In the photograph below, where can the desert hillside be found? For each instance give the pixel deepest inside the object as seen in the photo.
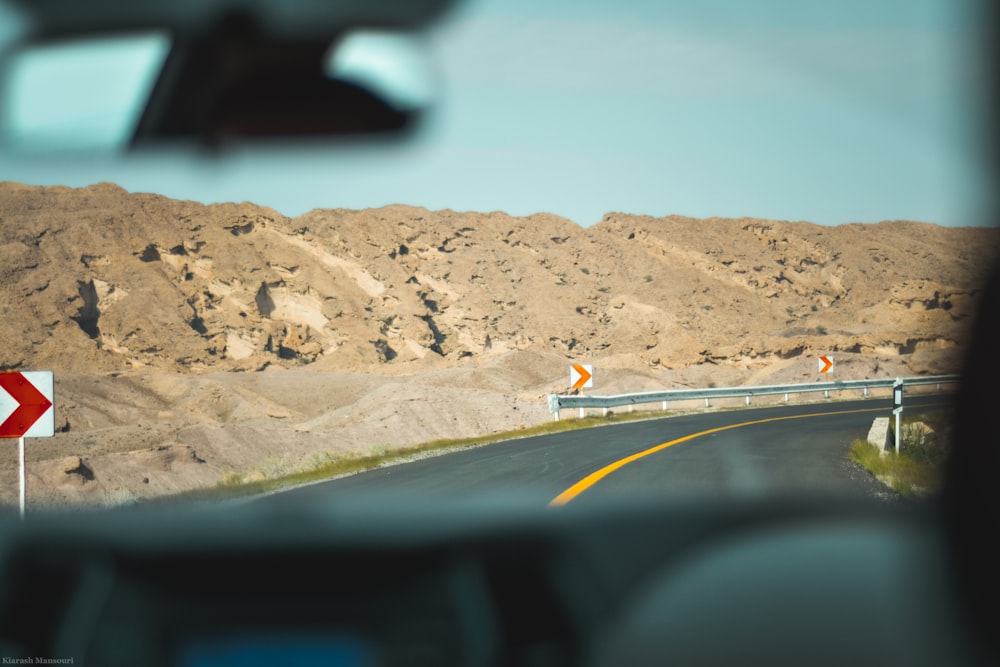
(190, 341)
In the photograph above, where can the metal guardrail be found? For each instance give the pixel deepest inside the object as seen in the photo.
(558, 402)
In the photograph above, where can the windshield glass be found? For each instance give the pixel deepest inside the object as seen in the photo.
(608, 202)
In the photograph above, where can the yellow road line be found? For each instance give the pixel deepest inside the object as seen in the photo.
(594, 477)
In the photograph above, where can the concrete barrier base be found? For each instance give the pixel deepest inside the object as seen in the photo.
(880, 435)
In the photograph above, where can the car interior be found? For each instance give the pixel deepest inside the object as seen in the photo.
(484, 581)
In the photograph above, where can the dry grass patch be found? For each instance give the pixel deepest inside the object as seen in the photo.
(918, 469)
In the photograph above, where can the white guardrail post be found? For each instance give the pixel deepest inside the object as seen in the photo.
(558, 402)
(897, 406)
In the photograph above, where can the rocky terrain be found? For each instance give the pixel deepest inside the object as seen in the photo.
(192, 341)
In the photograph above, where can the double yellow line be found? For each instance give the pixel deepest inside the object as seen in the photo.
(595, 477)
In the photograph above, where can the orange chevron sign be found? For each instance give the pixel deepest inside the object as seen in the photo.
(825, 364)
(581, 375)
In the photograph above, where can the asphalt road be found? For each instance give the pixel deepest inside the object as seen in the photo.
(786, 449)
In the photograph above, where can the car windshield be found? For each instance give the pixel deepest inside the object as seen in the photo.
(631, 248)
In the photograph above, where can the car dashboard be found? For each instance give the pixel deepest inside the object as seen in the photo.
(493, 583)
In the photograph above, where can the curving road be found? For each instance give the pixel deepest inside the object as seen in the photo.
(796, 449)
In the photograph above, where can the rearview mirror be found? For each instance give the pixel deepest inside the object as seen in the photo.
(114, 93)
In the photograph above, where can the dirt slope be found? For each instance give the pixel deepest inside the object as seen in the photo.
(190, 341)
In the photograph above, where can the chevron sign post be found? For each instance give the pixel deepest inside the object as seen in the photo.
(26, 411)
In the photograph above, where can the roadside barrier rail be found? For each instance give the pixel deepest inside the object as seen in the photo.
(559, 402)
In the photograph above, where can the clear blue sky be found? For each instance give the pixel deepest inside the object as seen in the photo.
(820, 110)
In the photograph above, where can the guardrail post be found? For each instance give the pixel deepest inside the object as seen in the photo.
(826, 393)
(554, 405)
(605, 412)
(866, 392)
(583, 413)
(786, 397)
(664, 406)
(748, 399)
(708, 403)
